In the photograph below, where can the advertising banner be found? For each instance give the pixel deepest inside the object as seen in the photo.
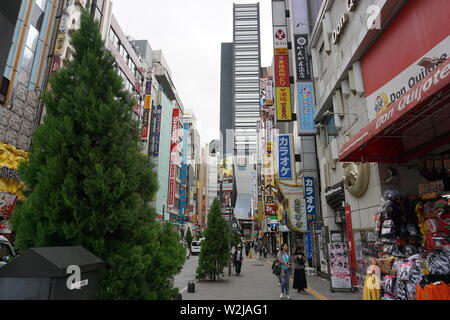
(351, 243)
(144, 133)
(339, 266)
(310, 201)
(56, 63)
(148, 88)
(157, 130)
(284, 109)
(269, 92)
(300, 16)
(296, 213)
(147, 102)
(269, 186)
(173, 156)
(183, 196)
(280, 41)
(302, 60)
(286, 170)
(7, 202)
(282, 71)
(306, 108)
(60, 40)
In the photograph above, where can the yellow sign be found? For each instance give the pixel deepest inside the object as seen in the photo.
(147, 102)
(281, 51)
(60, 43)
(284, 110)
(10, 157)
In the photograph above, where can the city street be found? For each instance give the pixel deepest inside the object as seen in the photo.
(256, 282)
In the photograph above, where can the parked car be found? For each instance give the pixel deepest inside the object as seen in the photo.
(196, 247)
(6, 251)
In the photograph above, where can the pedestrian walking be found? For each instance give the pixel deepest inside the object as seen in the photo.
(265, 252)
(285, 259)
(237, 259)
(247, 249)
(299, 271)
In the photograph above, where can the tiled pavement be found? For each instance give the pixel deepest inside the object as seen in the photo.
(256, 282)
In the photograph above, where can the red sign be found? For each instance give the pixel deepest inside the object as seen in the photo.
(144, 133)
(56, 63)
(173, 156)
(270, 209)
(351, 244)
(7, 202)
(378, 138)
(282, 71)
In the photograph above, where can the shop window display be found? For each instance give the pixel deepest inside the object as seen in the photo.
(412, 248)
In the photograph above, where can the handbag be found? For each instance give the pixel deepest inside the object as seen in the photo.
(276, 268)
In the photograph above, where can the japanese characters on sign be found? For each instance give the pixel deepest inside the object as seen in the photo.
(284, 110)
(306, 108)
(147, 102)
(269, 187)
(173, 156)
(183, 198)
(302, 60)
(157, 131)
(282, 71)
(269, 92)
(310, 198)
(280, 41)
(285, 161)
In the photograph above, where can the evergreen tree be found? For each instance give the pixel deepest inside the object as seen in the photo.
(87, 184)
(189, 237)
(214, 252)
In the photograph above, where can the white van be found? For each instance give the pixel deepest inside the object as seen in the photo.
(196, 247)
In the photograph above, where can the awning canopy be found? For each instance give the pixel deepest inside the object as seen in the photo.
(416, 123)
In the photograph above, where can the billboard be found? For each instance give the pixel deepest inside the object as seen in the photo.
(284, 109)
(302, 60)
(306, 108)
(310, 201)
(183, 193)
(157, 130)
(286, 170)
(296, 211)
(173, 156)
(269, 186)
(282, 71)
(280, 41)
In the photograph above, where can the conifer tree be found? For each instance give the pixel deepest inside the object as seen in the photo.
(189, 237)
(87, 184)
(214, 252)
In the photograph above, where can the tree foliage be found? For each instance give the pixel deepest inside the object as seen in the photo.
(189, 237)
(88, 185)
(214, 252)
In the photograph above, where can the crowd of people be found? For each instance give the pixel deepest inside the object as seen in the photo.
(286, 267)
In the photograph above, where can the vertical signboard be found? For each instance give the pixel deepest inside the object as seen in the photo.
(286, 170)
(310, 201)
(183, 198)
(280, 41)
(302, 60)
(269, 136)
(339, 267)
(282, 71)
(351, 243)
(300, 16)
(269, 186)
(284, 109)
(157, 131)
(269, 92)
(306, 108)
(173, 157)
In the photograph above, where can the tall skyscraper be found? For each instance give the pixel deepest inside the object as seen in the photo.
(246, 75)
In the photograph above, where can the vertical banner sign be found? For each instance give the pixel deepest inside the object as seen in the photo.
(269, 186)
(282, 71)
(184, 172)
(56, 63)
(302, 61)
(173, 157)
(147, 102)
(157, 131)
(285, 157)
(306, 108)
(310, 199)
(269, 92)
(284, 109)
(351, 243)
(144, 133)
(148, 88)
(269, 136)
(280, 41)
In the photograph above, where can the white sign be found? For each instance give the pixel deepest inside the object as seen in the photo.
(280, 41)
(397, 87)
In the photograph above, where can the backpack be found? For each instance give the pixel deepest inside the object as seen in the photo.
(276, 268)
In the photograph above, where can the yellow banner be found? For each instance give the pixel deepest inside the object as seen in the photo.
(281, 51)
(147, 102)
(284, 110)
(60, 39)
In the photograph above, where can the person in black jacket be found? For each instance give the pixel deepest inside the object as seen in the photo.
(238, 256)
(299, 271)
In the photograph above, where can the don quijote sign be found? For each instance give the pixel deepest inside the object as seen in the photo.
(343, 21)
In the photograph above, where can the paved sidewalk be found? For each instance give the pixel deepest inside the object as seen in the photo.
(257, 282)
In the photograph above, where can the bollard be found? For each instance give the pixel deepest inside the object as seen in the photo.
(191, 286)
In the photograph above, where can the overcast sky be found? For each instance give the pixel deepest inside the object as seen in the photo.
(189, 32)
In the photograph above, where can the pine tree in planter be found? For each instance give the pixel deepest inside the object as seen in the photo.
(214, 252)
(87, 184)
(189, 237)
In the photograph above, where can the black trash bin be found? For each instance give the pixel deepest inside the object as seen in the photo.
(47, 274)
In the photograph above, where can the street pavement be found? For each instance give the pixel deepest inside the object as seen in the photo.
(256, 282)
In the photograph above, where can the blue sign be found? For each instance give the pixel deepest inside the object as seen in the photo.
(285, 163)
(183, 194)
(310, 200)
(306, 108)
(157, 130)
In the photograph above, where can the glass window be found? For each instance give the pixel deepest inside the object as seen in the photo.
(97, 15)
(41, 4)
(27, 60)
(32, 38)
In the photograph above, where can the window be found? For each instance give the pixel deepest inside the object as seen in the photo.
(41, 4)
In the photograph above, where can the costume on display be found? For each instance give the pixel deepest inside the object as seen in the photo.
(413, 249)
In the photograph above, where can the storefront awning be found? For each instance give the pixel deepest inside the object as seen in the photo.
(416, 123)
